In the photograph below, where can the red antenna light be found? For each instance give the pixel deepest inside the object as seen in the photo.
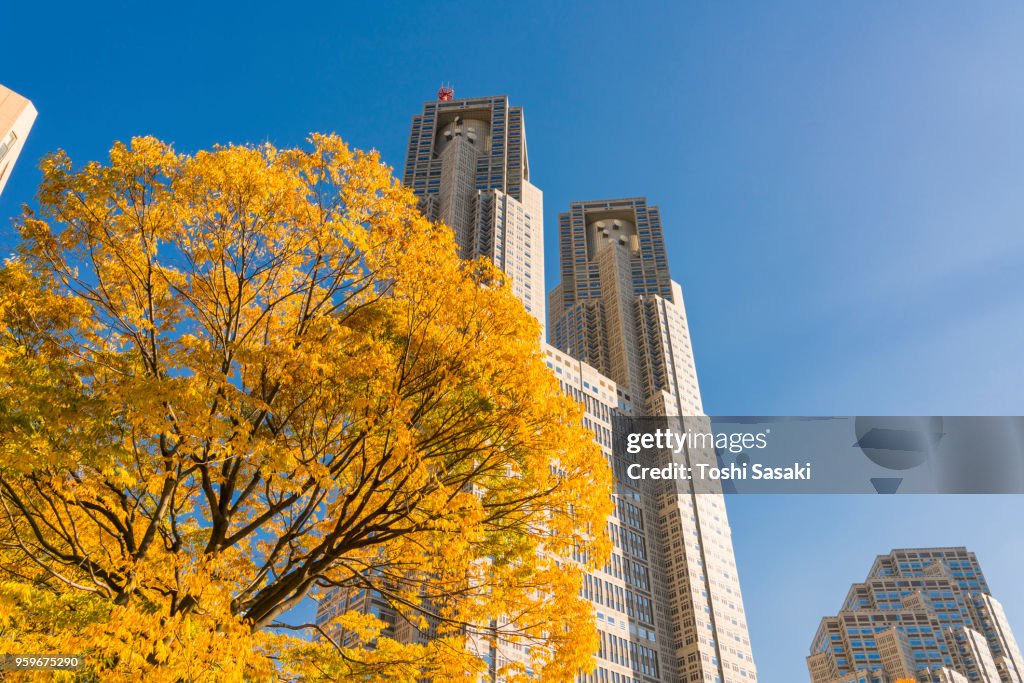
(445, 92)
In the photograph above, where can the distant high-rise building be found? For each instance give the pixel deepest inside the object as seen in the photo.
(16, 118)
(668, 603)
(922, 615)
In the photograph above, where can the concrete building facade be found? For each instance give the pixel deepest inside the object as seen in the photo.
(922, 615)
(16, 118)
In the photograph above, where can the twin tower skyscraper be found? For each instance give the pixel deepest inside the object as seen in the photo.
(668, 604)
(616, 307)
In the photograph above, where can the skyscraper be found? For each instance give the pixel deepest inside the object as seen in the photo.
(618, 310)
(667, 604)
(16, 118)
(467, 162)
(923, 615)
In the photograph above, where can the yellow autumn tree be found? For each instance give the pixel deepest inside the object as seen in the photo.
(235, 380)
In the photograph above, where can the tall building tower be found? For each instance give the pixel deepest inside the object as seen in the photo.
(467, 162)
(16, 118)
(921, 615)
(618, 310)
(667, 604)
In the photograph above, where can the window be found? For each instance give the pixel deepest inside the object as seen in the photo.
(7, 144)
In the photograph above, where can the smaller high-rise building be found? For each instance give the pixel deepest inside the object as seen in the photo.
(923, 615)
(16, 118)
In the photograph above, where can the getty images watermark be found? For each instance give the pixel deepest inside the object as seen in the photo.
(675, 443)
(886, 455)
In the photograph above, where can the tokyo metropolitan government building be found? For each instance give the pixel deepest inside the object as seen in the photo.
(668, 603)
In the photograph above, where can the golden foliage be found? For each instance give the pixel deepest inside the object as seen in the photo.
(234, 380)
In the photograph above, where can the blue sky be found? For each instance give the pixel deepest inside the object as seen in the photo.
(841, 185)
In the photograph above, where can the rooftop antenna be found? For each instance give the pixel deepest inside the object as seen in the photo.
(445, 92)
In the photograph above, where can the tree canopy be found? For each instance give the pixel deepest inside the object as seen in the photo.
(233, 380)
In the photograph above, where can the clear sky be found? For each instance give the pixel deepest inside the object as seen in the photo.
(842, 186)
